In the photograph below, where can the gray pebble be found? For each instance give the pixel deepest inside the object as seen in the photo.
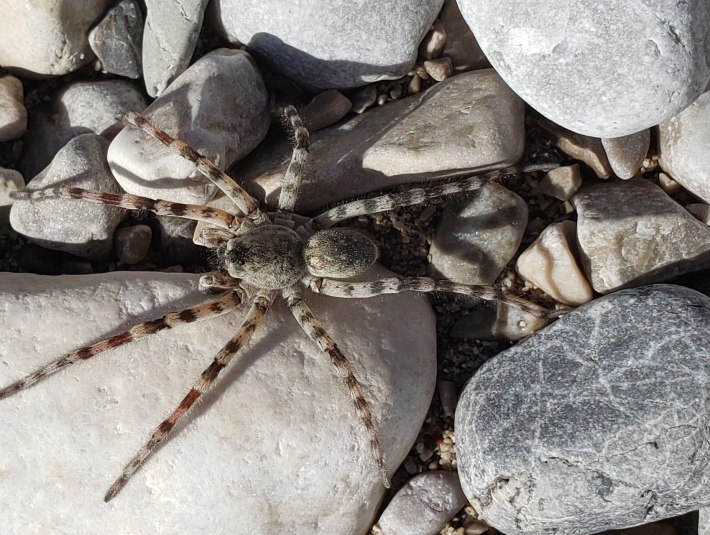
(626, 153)
(116, 40)
(600, 421)
(461, 45)
(13, 115)
(561, 182)
(132, 243)
(10, 181)
(439, 69)
(423, 505)
(78, 227)
(325, 109)
(476, 238)
(630, 233)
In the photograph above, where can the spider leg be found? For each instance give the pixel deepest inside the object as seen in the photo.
(260, 305)
(245, 202)
(213, 216)
(393, 285)
(413, 196)
(294, 173)
(137, 332)
(218, 281)
(313, 328)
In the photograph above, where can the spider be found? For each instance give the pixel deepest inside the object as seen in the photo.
(265, 256)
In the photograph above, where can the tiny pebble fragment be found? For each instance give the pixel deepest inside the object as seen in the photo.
(439, 69)
(667, 184)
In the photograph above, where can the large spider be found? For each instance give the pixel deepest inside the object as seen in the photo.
(266, 255)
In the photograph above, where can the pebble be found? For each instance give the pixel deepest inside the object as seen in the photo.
(80, 228)
(700, 210)
(10, 181)
(77, 108)
(285, 457)
(561, 182)
(471, 121)
(627, 153)
(352, 44)
(667, 184)
(325, 109)
(132, 243)
(562, 57)
(632, 233)
(169, 40)
(433, 43)
(476, 238)
(439, 69)
(48, 37)
(218, 106)
(683, 143)
(117, 39)
(704, 521)
(550, 263)
(500, 322)
(423, 505)
(597, 422)
(363, 98)
(461, 45)
(13, 115)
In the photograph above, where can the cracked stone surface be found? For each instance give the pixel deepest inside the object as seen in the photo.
(598, 422)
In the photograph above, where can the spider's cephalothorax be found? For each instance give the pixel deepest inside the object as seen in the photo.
(267, 256)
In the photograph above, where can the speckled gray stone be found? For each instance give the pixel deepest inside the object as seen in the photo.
(630, 232)
(600, 421)
(81, 228)
(684, 147)
(352, 43)
(586, 64)
(477, 237)
(13, 114)
(116, 40)
(472, 121)
(626, 153)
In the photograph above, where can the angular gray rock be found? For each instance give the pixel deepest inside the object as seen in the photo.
(472, 121)
(600, 421)
(626, 153)
(683, 143)
(81, 228)
(117, 39)
(352, 44)
(477, 237)
(218, 106)
(630, 233)
(278, 441)
(423, 505)
(13, 114)
(585, 64)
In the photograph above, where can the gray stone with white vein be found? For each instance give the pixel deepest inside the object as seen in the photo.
(599, 421)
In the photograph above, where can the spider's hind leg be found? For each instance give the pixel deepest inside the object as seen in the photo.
(294, 173)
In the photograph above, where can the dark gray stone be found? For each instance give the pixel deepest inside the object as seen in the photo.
(116, 40)
(600, 421)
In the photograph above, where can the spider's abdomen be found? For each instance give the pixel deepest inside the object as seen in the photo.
(339, 253)
(269, 257)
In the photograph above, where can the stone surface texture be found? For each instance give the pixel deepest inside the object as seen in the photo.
(80, 228)
(585, 64)
(10, 181)
(48, 37)
(632, 233)
(13, 114)
(600, 421)
(117, 39)
(683, 143)
(169, 40)
(354, 43)
(550, 263)
(218, 106)
(626, 153)
(704, 521)
(276, 447)
(470, 122)
(423, 505)
(477, 237)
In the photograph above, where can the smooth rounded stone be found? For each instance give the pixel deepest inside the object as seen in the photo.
(363, 98)
(477, 237)
(10, 181)
(132, 243)
(325, 109)
(13, 114)
(550, 263)
(499, 322)
(469, 122)
(48, 36)
(172, 28)
(561, 182)
(116, 40)
(683, 143)
(704, 521)
(277, 443)
(597, 422)
(77, 227)
(218, 106)
(423, 505)
(78, 108)
(433, 43)
(352, 44)
(627, 153)
(632, 233)
(461, 45)
(439, 69)
(585, 64)
(701, 211)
